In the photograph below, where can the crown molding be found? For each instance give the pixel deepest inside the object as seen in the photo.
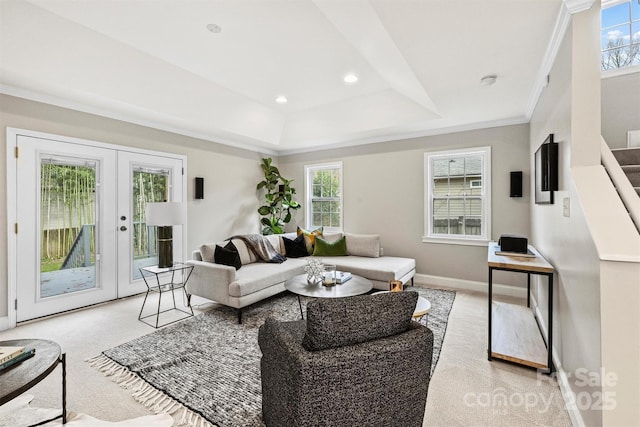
(576, 6)
(559, 31)
(394, 137)
(110, 113)
(163, 126)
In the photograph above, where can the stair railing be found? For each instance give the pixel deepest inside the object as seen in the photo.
(626, 191)
(80, 253)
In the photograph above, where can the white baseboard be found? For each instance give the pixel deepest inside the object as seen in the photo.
(560, 374)
(4, 323)
(567, 395)
(470, 285)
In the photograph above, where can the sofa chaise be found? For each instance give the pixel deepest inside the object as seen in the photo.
(256, 280)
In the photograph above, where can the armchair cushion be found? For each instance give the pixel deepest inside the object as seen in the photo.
(341, 322)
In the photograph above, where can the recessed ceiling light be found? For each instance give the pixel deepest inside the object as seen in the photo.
(281, 99)
(488, 80)
(214, 28)
(350, 78)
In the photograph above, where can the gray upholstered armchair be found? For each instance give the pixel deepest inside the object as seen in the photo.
(355, 361)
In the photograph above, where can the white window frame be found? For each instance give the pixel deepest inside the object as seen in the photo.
(485, 235)
(473, 182)
(308, 182)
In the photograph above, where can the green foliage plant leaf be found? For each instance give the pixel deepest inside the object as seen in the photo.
(278, 197)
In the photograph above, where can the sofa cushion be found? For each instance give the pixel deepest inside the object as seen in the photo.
(340, 322)
(207, 252)
(261, 275)
(381, 269)
(227, 256)
(363, 245)
(324, 248)
(295, 248)
(309, 237)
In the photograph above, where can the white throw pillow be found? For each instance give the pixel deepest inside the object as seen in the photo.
(367, 245)
(246, 256)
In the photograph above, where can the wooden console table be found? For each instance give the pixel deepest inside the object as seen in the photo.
(514, 335)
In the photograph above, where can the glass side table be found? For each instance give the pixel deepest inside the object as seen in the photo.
(166, 280)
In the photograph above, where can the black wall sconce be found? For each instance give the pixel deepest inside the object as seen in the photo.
(199, 190)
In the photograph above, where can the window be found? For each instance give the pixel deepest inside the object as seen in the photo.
(475, 183)
(458, 196)
(323, 185)
(620, 35)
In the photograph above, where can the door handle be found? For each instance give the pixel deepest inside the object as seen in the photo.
(123, 228)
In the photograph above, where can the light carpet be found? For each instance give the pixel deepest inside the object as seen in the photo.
(206, 370)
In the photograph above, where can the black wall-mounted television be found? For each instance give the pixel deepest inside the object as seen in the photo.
(546, 164)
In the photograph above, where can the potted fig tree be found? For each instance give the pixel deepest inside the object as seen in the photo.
(278, 199)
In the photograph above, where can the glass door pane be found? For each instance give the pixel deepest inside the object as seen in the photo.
(65, 240)
(149, 185)
(68, 200)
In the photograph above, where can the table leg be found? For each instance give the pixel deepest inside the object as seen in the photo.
(143, 303)
(159, 301)
(490, 312)
(528, 289)
(423, 320)
(300, 304)
(188, 300)
(550, 329)
(64, 388)
(173, 294)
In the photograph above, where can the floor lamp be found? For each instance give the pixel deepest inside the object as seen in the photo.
(165, 215)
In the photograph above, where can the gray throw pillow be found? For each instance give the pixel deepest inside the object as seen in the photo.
(340, 322)
(367, 245)
(207, 252)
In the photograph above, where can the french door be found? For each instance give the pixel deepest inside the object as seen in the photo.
(81, 235)
(143, 178)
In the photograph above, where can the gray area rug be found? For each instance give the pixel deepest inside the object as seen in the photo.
(206, 370)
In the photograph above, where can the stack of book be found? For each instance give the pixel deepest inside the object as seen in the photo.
(9, 356)
(342, 276)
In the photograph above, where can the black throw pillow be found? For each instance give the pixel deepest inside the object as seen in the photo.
(227, 256)
(295, 248)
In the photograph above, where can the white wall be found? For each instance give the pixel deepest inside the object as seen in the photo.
(384, 194)
(620, 108)
(230, 203)
(596, 297)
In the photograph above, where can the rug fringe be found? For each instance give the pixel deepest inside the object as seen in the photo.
(144, 393)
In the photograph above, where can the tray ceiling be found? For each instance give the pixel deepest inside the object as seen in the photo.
(419, 65)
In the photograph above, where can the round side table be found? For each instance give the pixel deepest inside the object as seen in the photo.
(20, 377)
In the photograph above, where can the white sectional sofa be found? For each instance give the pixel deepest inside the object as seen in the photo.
(257, 280)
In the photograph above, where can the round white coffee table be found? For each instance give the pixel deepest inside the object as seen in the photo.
(298, 285)
(422, 307)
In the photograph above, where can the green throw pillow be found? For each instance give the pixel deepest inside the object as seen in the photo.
(324, 248)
